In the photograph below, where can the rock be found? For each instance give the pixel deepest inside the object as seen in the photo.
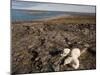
(37, 46)
(55, 52)
(22, 64)
(92, 49)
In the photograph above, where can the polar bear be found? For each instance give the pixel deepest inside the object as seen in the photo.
(72, 59)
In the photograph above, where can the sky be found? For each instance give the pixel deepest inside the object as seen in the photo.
(18, 4)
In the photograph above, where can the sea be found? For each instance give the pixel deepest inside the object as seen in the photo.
(30, 15)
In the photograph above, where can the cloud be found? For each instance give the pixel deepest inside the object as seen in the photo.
(52, 7)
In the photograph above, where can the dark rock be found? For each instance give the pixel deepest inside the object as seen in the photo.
(55, 52)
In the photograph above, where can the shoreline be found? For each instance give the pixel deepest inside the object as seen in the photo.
(59, 18)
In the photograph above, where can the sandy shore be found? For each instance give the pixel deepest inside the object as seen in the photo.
(65, 19)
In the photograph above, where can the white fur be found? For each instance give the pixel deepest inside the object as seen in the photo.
(68, 60)
(75, 63)
(65, 52)
(75, 53)
(73, 60)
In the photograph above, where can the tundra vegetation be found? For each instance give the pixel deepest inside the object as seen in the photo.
(38, 46)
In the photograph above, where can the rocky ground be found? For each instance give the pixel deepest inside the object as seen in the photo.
(37, 46)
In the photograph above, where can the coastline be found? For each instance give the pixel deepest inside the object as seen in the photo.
(63, 18)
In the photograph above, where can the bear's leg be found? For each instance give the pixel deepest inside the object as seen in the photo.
(75, 64)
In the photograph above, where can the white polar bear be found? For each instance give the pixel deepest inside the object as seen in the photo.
(73, 59)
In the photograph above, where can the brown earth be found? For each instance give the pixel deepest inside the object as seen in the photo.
(37, 45)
